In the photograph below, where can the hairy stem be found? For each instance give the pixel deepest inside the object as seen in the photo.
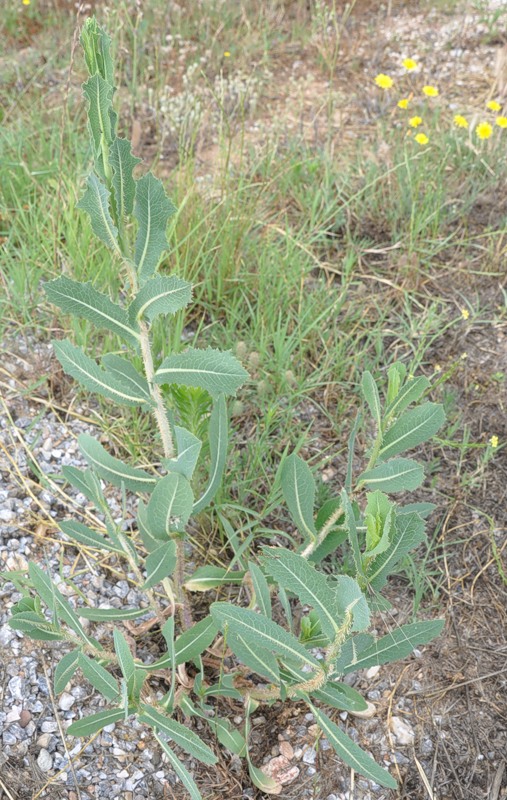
(337, 513)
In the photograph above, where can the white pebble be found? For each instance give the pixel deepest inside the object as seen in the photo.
(44, 760)
(66, 701)
(372, 672)
(402, 730)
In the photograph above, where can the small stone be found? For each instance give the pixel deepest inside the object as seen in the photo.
(44, 760)
(6, 515)
(66, 701)
(281, 771)
(49, 726)
(24, 718)
(286, 750)
(401, 729)
(13, 716)
(122, 774)
(309, 755)
(16, 687)
(44, 740)
(311, 771)
(372, 672)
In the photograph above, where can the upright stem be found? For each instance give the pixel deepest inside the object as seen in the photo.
(168, 446)
(160, 412)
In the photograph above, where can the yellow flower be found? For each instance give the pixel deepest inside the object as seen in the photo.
(484, 130)
(464, 356)
(494, 442)
(227, 54)
(384, 81)
(501, 122)
(465, 313)
(26, 2)
(460, 121)
(414, 122)
(421, 138)
(409, 63)
(403, 103)
(437, 368)
(493, 105)
(430, 91)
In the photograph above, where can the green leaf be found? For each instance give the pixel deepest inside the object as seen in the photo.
(152, 210)
(413, 428)
(124, 186)
(99, 677)
(125, 659)
(217, 371)
(180, 734)
(188, 646)
(411, 392)
(371, 395)
(149, 541)
(54, 600)
(395, 377)
(170, 506)
(263, 782)
(95, 722)
(95, 202)
(84, 535)
(92, 377)
(218, 437)
(180, 770)
(195, 640)
(126, 374)
(396, 475)
(341, 696)
(332, 541)
(162, 294)
(423, 509)
(206, 578)
(228, 736)
(99, 94)
(85, 481)
(379, 518)
(350, 752)
(294, 573)
(334, 694)
(188, 447)
(96, 45)
(82, 300)
(261, 589)
(298, 488)
(350, 651)
(111, 614)
(350, 522)
(65, 669)
(396, 645)
(114, 470)
(260, 631)
(36, 627)
(160, 564)
(259, 660)
(349, 597)
(408, 533)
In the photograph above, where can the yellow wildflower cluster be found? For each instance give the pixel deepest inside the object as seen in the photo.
(494, 442)
(482, 130)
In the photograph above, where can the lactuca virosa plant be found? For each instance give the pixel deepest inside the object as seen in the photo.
(274, 659)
